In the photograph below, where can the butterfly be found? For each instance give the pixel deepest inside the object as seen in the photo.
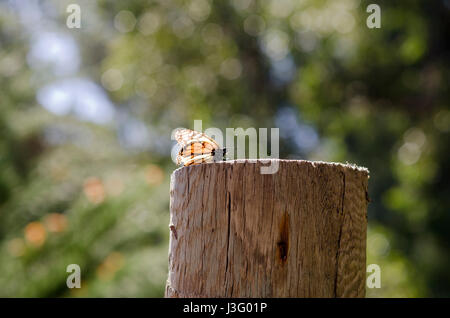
(197, 148)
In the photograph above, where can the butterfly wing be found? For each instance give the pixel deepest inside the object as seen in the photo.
(195, 150)
(196, 147)
(185, 136)
(187, 161)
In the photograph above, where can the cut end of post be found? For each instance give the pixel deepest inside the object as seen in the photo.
(272, 162)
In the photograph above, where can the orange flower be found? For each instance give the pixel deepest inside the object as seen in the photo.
(56, 222)
(94, 190)
(112, 263)
(35, 233)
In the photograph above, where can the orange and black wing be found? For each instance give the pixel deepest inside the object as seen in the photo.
(196, 147)
(195, 152)
(185, 136)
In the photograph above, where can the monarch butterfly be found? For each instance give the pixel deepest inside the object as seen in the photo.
(197, 148)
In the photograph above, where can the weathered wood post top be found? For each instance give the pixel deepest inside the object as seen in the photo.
(238, 232)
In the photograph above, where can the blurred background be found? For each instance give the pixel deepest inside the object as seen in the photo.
(86, 116)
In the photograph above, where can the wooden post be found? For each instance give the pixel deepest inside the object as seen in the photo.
(300, 232)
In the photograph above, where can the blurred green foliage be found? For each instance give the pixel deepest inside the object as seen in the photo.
(86, 116)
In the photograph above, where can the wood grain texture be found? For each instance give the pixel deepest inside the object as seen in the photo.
(300, 232)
